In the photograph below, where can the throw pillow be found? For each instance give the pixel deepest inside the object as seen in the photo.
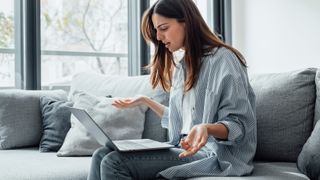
(55, 123)
(309, 158)
(125, 86)
(117, 123)
(285, 105)
(20, 117)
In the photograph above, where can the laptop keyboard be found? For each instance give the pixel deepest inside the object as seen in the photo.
(129, 145)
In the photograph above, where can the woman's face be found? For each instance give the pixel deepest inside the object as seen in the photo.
(169, 31)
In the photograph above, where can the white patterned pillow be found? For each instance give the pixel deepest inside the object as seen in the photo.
(118, 123)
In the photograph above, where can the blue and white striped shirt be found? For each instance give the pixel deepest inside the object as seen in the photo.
(222, 95)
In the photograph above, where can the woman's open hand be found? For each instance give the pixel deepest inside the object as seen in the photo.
(196, 139)
(129, 102)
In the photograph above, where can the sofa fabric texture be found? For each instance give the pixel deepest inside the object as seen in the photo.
(266, 171)
(29, 164)
(309, 158)
(20, 117)
(284, 109)
(285, 105)
(55, 123)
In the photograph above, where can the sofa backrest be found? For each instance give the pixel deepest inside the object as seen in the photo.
(285, 107)
(123, 86)
(20, 117)
(285, 104)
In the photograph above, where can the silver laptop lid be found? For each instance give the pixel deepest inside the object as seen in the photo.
(92, 127)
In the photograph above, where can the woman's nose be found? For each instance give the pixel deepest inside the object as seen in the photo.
(159, 36)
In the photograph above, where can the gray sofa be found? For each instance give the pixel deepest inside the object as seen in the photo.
(286, 113)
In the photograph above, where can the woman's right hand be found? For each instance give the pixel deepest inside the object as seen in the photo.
(129, 102)
(139, 100)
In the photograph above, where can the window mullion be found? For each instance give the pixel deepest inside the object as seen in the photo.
(32, 44)
(18, 24)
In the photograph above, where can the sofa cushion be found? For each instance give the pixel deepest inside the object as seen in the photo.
(55, 123)
(29, 164)
(20, 117)
(123, 86)
(266, 171)
(117, 123)
(309, 158)
(317, 109)
(285, 110)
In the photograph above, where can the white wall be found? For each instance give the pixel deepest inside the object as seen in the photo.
(277, 35)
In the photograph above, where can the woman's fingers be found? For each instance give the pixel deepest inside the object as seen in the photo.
(122, 103)
(192, 144)
(189, 152)
(202, 142)
(190, 149)
(184, 144)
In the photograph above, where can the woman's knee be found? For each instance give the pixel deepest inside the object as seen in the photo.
(112, 160)
(100, 153)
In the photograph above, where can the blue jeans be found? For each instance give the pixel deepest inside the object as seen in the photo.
(109, 164)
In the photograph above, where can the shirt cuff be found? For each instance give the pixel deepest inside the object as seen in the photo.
(235, 133)
(165, 118)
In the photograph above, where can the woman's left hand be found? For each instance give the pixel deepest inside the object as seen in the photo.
(196, 139)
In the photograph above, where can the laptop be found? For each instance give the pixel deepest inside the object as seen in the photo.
(119, 145)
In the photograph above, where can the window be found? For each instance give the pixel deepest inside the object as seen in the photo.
(48, 44)
(7, 52)
(82, 35)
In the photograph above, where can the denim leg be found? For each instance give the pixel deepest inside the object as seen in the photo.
(141, 165)
(97, 157)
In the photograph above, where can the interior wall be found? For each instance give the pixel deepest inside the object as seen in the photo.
(277, 35)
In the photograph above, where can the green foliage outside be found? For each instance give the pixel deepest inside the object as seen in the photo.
(6, 31)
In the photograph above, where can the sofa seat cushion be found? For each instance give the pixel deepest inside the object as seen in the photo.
(29, 163)
(267, 171)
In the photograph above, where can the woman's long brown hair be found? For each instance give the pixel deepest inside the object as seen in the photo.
(199, 39)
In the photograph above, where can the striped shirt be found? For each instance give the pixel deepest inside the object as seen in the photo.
(222, 95)
(187, 108)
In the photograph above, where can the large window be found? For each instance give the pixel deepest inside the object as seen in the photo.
(43, 43)
(7, 55)
(82, 35)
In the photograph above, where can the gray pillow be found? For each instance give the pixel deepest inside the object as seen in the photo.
(20, 117)
(55, 123)
(117, 123)
(123, 86)
(285, 111)
(309, 158)
(317, 109)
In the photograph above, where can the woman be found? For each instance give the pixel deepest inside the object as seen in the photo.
(211, 112)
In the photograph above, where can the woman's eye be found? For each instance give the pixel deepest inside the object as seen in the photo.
(163, 28)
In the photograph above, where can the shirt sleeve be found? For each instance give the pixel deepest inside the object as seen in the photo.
(165, 118)
(231, 91)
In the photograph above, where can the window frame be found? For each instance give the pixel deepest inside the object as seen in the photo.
(28, 34)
